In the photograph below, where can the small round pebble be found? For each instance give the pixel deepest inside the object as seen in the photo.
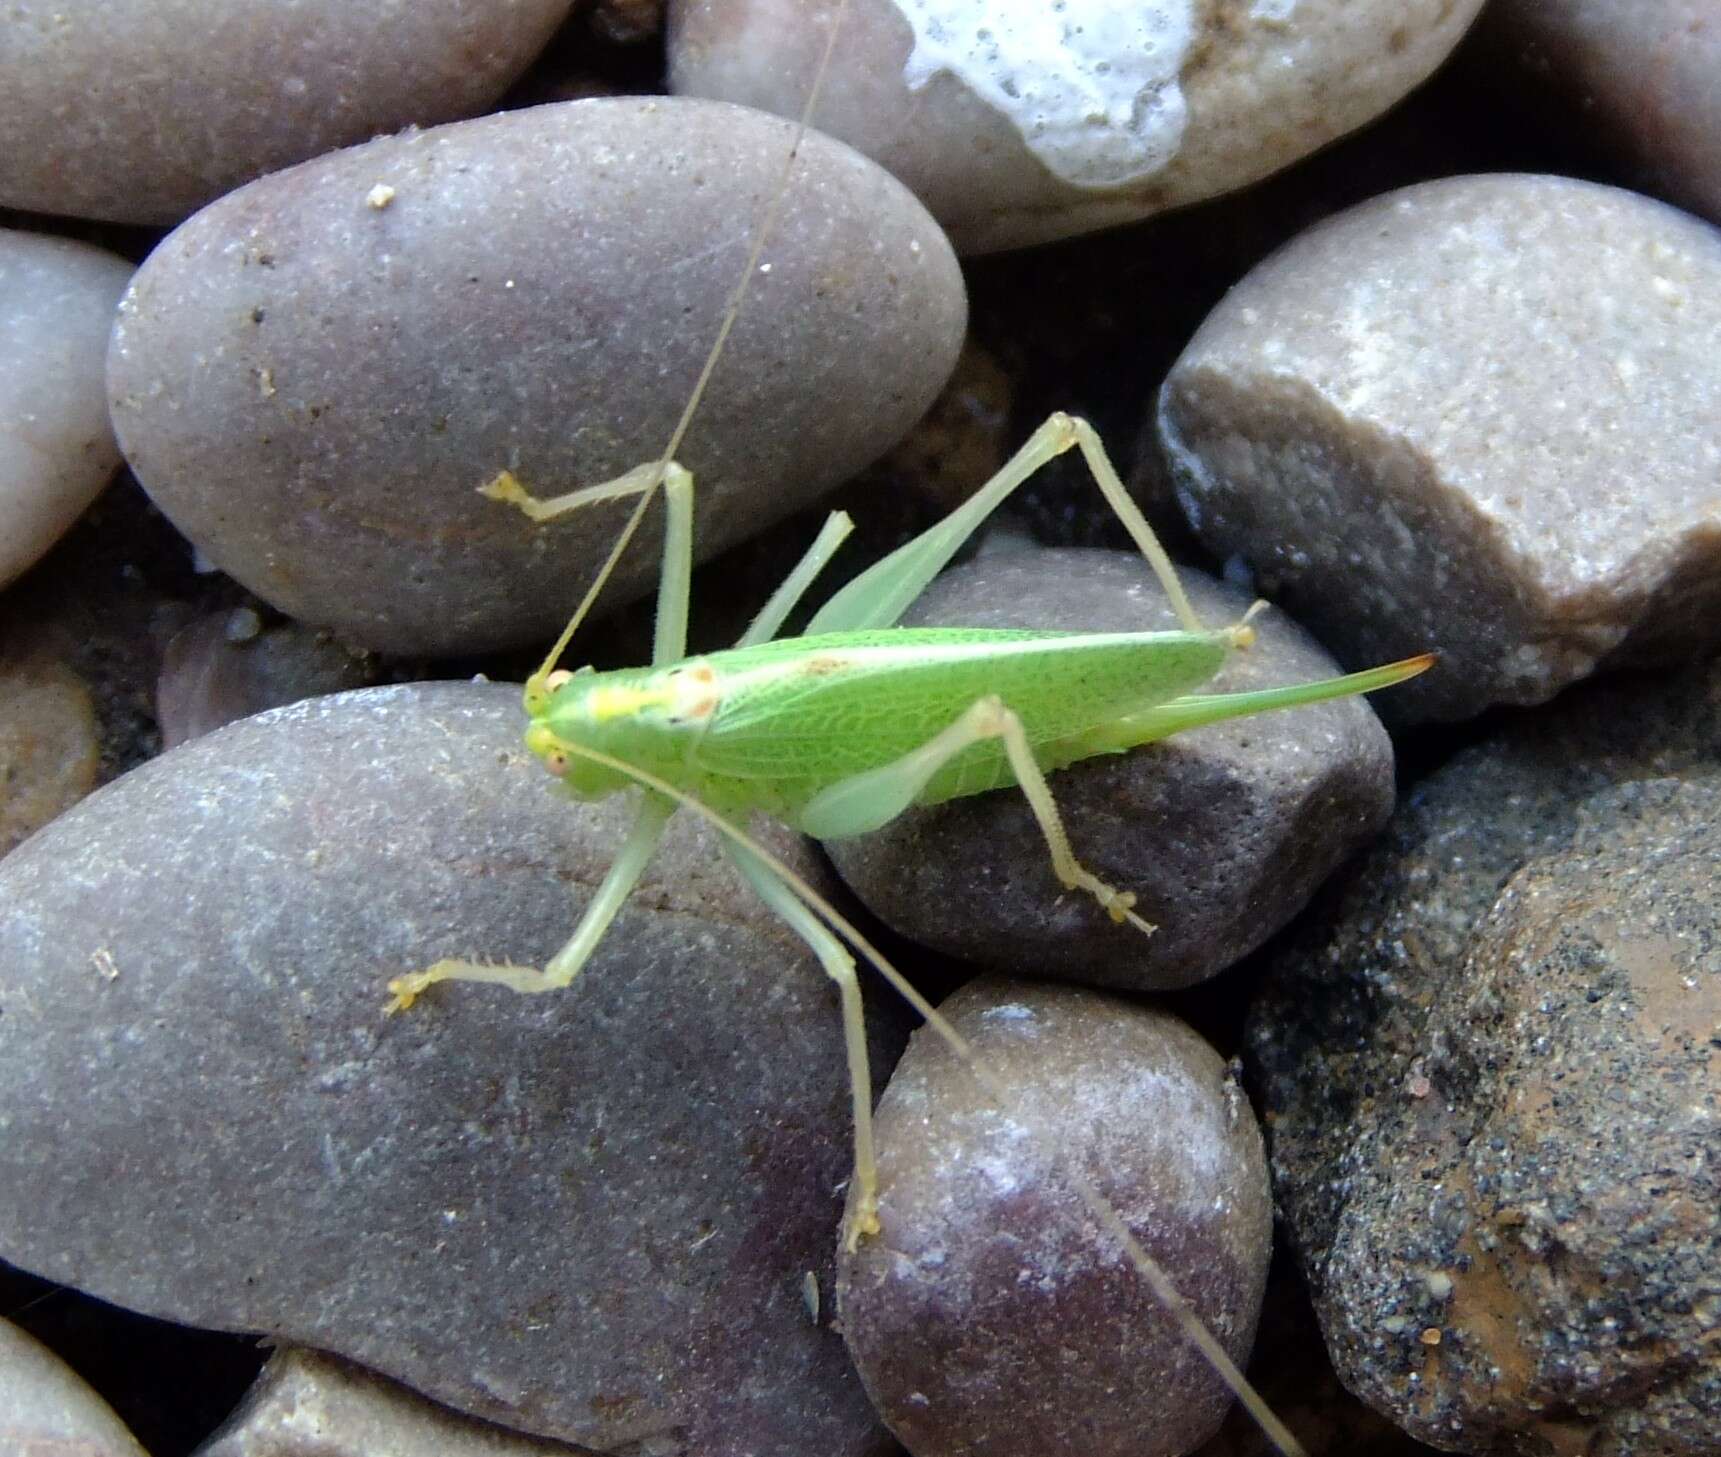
(314, 376)
(1479, 416)
(993, 1315)
(46, 1409)
(57, 448)
(310, 1404)
(1222, 833)
(50, 752)
(141, 111)
(225, 666)
(1020, 122)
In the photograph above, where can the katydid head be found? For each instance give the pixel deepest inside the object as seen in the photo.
(542, 686)
(570, 712)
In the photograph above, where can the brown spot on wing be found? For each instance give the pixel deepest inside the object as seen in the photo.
(821, 665)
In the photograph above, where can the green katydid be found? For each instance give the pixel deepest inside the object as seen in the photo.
(842, 728)
(839, 730)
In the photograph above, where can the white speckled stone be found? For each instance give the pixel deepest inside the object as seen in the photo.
(1019, 124)
(991, 1317)
(57, 449)
(143, 110)
(1479, 416)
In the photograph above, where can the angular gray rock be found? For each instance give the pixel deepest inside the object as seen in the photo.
(1019, 122)
(588, 1215)
(1489, 1065)
(313, 376)
(1480, 416)
(143, 110)
(994, 1316)
(1222, 832)
(57, 449)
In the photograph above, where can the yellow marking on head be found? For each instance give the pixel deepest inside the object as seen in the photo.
(606, 704)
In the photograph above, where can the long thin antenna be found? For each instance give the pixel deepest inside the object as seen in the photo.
(761, 235)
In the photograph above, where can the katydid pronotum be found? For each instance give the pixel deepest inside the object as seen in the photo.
(839, 730)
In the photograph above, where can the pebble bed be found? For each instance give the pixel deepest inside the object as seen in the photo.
(1402, 316)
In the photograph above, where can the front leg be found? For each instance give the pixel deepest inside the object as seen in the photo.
(566, 964)
(675, 579)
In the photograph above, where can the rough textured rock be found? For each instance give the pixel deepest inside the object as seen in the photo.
(588, 1215)
(993, 1315)
(307, 1404)
(227, 665)
(57, 448)
(313, 376)
(1291, 1371)
(1222, 832)
(1478, 416)
(1019, 123)
(1639, 76)
(49, 754)
(143, 110)
(1489, 1071)
(46, 1409)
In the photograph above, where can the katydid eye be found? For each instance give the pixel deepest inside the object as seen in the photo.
(556, 762)
(557, 679)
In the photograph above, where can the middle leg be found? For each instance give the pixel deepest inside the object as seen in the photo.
(868, 800)
(566, 964)
(840, 967)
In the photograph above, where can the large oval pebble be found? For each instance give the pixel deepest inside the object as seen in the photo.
(994, 1315)
(1480, 416)
(142, 110)
(1018, 121)
(313, 376)
(590, 1215)
(57, 449)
